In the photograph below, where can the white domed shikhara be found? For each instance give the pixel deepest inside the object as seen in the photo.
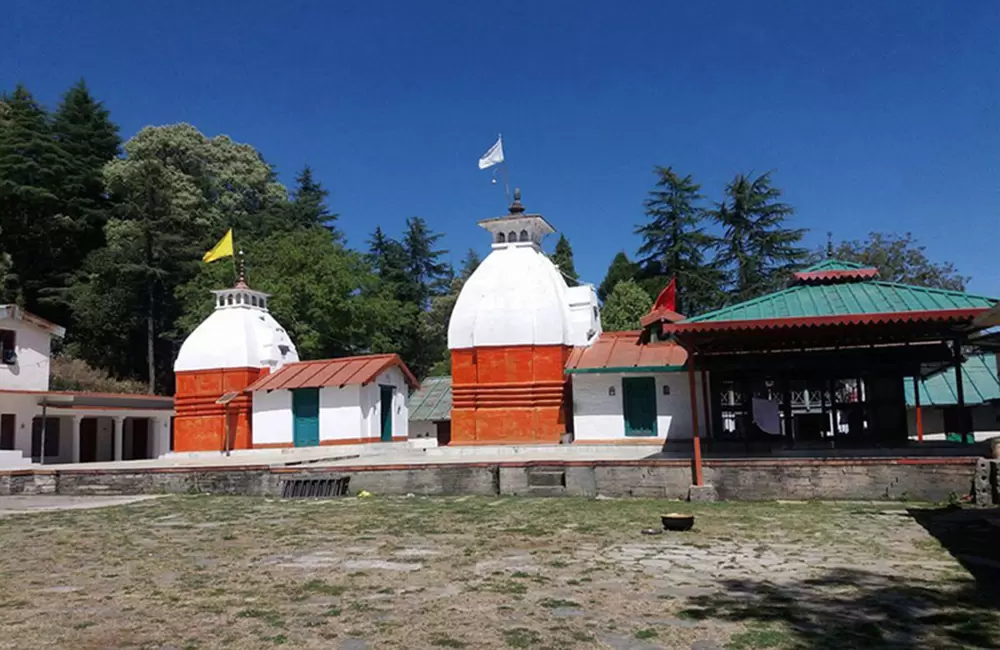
(517, 296)
(240, 333)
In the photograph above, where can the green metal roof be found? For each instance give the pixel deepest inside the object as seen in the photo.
(979, 383)
(833, 265)
(433, 400)
(846, 299)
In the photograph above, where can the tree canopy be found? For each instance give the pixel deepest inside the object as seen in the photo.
(626, 304)
(562, 257)
(675, 243)
(899, 258)
(757, 252)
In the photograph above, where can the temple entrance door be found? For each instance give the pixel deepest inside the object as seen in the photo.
(305, 417)
(639, 406)
(385, 411)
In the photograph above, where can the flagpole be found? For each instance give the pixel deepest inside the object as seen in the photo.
(506, 181)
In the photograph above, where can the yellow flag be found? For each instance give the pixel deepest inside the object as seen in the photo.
(223, 249)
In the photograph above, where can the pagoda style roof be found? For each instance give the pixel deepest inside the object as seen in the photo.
(857, 298)
(834, 303)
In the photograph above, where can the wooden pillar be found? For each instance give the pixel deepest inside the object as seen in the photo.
(695, 439)
(963, 422)
(916, 403)
(705, 404)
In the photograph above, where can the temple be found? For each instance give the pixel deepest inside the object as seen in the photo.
(511, 332)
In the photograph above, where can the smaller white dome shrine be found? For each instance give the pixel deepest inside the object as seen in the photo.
(240, 333)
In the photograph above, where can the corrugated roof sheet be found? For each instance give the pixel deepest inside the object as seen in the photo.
(857, 298)
(621, 352)
(333, 372)
(432, 401)
(979, 383)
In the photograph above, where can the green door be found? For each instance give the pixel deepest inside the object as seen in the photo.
(639, 405)
(305, 417)
(386, 412)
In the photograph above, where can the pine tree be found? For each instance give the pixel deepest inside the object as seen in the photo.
(428, 276)
(308, 205)
(562, 257)
(676, 245)
(32, 166)
(83, 128)
(389, 259)
(622, 268)
(757, 251)
(470, 263)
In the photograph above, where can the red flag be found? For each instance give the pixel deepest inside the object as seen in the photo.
(667, 298)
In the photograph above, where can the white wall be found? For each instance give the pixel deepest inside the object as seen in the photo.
(600, 416)
(340, 413)
(24, 408)
(272, 417)
(422, 429)
(33, 345)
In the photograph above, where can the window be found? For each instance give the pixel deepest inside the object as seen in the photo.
(253, 301)
(524, 235)
(239, 299)
(8, 347)
(51, 426)
(501, 238)
(229, 299)
(8, 425)
(512, 236)
(222, 301)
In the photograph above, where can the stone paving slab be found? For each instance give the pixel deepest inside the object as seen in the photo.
(23, 504)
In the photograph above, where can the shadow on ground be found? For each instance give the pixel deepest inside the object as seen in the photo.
(972, 536)
(849, 608)
(854, 608)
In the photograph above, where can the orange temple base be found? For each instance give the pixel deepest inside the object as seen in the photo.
(506, 395)
(200, 423)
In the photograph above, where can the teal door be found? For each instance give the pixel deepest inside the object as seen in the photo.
(386, 412)
(305, 417)
(639, 406)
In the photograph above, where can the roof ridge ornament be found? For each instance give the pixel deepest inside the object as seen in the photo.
(517, 207)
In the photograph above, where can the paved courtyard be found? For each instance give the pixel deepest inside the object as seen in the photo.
(470, 572)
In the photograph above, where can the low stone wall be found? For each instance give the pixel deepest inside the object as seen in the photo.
(930, 479)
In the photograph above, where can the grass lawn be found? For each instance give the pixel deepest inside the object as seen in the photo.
(228, 572)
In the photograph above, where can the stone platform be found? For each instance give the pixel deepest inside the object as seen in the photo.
(545, 470)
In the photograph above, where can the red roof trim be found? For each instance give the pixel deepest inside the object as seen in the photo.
(823, 321)
(844, 274)
(339, 372)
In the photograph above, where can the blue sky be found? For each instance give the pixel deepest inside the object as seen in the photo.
(875, 115)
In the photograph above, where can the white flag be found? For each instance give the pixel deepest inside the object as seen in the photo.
(493, 156)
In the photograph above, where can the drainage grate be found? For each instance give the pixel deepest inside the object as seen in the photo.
(314, 488)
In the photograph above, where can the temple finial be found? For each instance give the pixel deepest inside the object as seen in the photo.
(241, 282)
(516, 207)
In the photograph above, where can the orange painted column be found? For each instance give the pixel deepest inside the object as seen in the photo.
(695, 439)
(200, 423)
(509, 395)
(916, 402)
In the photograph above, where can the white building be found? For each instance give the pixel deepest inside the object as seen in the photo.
(351, 400)
(40, 425)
